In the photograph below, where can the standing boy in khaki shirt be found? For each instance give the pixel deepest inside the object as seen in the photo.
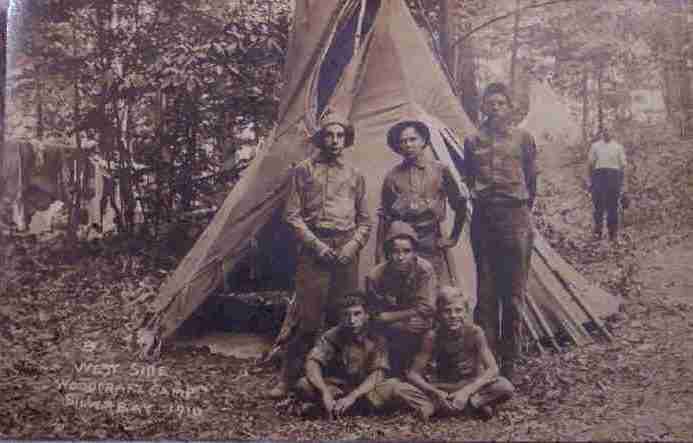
(418, 192)
(328, 214)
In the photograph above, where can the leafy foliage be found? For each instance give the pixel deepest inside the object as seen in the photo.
(162, 91)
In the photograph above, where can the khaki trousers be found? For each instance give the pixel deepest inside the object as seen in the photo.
(389, 394)
(491, 394)
(319, 288)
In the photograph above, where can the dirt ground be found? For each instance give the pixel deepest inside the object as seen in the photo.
(69, 369)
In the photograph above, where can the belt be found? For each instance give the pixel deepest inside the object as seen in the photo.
(503, 203)
(414, 223)
(328, 232)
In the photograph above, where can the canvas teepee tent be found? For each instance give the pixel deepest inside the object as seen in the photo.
(368, 60)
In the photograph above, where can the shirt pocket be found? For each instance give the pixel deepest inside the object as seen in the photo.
(347, 187)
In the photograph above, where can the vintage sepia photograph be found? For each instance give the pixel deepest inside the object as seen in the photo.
(388, 220)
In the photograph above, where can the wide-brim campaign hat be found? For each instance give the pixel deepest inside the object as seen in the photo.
(394, 133)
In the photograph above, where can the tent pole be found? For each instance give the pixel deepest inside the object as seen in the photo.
(359, 26)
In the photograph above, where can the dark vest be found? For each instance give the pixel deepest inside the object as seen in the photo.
(496, 165)
(455, 356)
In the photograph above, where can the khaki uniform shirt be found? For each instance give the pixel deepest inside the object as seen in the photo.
(343, 357)
(500, 167)
(416, 193)
(330, 197)
(389, 290)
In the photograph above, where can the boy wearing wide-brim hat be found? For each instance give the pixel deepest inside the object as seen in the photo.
(328, 214)
(417, 191)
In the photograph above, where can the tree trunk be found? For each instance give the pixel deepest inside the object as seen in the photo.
(459, 58)
(687, 58)
(446, 34)
(600, 96)
(585, 103)
(75, 188)
(3, 64)
(513, 52)
(558, 56)
(39, 103)
(675, 72)
(684, 75)
(74, 197)
(188, 191)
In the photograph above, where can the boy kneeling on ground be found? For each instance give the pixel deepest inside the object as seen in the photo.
(467, 373)
(346, 369)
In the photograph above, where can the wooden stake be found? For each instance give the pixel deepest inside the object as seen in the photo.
(576, 297)
(542, 322)
(572, 325)
(533, 332)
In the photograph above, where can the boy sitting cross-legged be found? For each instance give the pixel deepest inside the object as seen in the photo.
(467, 373)
(346, 370)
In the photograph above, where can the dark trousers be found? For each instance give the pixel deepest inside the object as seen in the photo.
(428, 249)
(319, 288)
(502, 243)
(402, 346)
(606, 188)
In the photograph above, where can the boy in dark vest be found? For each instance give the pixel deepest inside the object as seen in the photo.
(501, 174)
(466, 372)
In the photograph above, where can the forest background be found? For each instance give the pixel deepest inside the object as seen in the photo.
(164, 99)
(166, 103)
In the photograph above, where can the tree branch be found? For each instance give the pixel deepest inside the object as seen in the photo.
(508, 15)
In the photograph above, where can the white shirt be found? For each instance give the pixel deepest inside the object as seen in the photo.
(609, 155)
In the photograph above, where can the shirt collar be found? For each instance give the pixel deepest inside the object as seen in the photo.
(486, 127)
(360, 339)
(404, 276)
(331, 162)
(418, 163)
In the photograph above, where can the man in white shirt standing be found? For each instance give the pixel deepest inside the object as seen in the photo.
(606, 164)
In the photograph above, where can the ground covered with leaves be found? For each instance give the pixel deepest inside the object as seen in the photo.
(69, 367)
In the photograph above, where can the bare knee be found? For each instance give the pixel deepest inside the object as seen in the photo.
(503, 387)
(305, 388)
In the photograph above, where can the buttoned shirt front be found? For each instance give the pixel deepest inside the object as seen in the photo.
(350, 358)
(416, 192)
(391, 290)
(501, 166)
(329, 196)
(605, 155)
